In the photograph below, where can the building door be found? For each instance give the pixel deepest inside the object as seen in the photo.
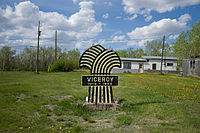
(153, 66)
(141, 69)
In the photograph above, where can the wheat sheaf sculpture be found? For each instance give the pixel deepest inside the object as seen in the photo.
(100, 62)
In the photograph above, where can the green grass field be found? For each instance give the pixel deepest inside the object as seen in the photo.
(52, 102)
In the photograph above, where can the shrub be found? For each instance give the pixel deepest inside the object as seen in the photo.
(126, 72)
(125, 105)
(63, 66)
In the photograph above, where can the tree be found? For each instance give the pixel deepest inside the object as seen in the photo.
(131, 53)
(153, 48)
(122, 53)
(6, 58)
(27, 59)
(138, 53)
(188, 43)
(74, 55)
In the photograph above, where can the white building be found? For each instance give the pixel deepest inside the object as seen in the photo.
(191, 66)
(147, 63)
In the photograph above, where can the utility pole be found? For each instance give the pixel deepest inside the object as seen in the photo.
(55, 46)
(162, 53)
(37, 56)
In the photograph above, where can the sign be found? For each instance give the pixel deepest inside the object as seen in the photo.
(99, 80)
(100, 62)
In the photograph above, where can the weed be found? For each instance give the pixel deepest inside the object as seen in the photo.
(60, 118)
(124, 120)
(88, 118)
(126, 106)
(78, 129)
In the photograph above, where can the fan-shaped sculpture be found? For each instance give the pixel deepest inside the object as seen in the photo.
(100, 62)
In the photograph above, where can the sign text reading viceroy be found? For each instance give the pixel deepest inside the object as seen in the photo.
(100, 80)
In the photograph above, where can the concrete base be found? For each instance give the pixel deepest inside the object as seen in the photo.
(102, 106)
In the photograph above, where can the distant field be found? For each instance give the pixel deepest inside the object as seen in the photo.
(52, 102)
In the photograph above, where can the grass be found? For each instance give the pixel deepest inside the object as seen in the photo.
(52, 102)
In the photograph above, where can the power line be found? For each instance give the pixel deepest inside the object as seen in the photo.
(132, 39)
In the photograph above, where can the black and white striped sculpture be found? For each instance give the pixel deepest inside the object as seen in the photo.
(100, 62)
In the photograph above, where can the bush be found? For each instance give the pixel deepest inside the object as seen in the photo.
(63, 66)
(126, 72)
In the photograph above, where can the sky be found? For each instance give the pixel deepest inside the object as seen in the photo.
(116, 24)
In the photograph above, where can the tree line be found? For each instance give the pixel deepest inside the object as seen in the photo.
(187, 45)
(26, 60)
(152, 48)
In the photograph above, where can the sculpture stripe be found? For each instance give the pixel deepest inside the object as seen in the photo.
(90, 53)
(100, 66)
(97, 60)
(97, 49)
(85, 62)
(88, 56)
(87, 59)
(101, 60)
(100, 47)
(114, 63)
(107, 62)
(112, 66)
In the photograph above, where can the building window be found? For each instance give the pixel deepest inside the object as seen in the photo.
(170, 64)
(127, 65)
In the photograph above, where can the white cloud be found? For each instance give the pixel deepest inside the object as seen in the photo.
(184, 18)
(144, 7)
(148, 18)
(173, 37)
(133, 17)
(138, 43)
(21, 22)
(118, 38)
(84, 44)
(102, 41)
(155, 31)
(118, 17)
(105, 16)
(75, 1)
(108, 3)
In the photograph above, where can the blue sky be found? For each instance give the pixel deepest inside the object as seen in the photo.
(117, 24)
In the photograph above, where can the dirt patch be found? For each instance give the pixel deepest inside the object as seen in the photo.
(21, 97)
(62, 97)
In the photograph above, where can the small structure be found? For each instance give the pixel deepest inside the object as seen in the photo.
(100, 62)
(147, 64)
(191, 66)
